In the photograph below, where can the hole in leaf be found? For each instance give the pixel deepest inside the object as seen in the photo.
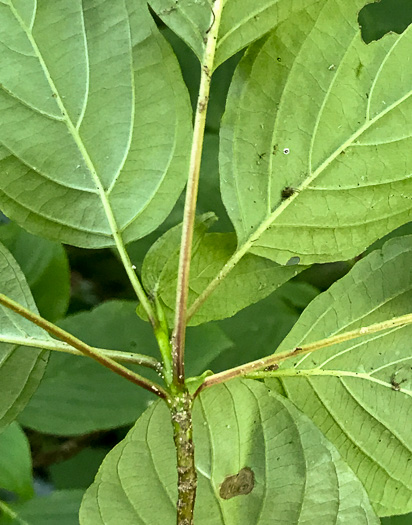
(378, 18)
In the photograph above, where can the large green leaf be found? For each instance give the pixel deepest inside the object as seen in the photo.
(298, 477)
(95, 120)
(60, 507)
(241, 23)
(15, 462)
(312, 107)
(45, 266)
(359, 393)
(251, 280)
(78, 395)
(21, 369)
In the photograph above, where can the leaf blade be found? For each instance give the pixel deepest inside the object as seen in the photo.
(240, 24)
(298, 94)
(239, 419)
(95, 124)
(21, 369)
(364, 375)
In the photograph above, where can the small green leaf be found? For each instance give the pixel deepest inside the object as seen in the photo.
(288, 468)
(21, 369)
(359, 393)
(241, 22)
(99, 125)
(330, 117)
(45, 266)
(193, 383)
(15, 462)
(253, 278)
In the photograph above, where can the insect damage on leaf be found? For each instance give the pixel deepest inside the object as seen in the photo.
(239, 484)
(287, 192)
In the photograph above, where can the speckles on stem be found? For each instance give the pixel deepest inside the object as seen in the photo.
(202, 105)
(206, 71)
(271, 368)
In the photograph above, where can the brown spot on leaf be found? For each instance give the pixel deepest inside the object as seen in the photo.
(239, 484)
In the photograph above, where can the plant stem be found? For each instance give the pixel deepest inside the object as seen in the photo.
(275, 359)
(72, 129)
(316, 372)
(57, 346)
(181, 411)
(161, 332)
(178, 338)
(84, 348)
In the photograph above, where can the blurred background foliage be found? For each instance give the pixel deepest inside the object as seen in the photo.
(51, 455)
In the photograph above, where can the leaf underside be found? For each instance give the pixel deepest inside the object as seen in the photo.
(21, 369)
(313, 108)
(363, 400)
(98, 126)
(286, 471)
(241, 22)
(253, 278)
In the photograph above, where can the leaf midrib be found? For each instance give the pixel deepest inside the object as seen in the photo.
(71, 128)
(267, 223)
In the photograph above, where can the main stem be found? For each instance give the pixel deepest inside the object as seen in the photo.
(179, 332)
(181, 411)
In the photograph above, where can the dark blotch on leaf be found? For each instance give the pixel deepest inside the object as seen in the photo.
(239, 484)
(287, 192)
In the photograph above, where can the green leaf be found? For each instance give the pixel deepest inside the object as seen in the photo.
(79, 471)
(240, 25)
(253, 278)
(359, 393)
(60, 507)
(204, 345)
(397, 520)
(330, 117)
(290, 469)
(98, 126)
(45, 266)
(15, 462)
(21, 369)
(78, 395)
(253, 332)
